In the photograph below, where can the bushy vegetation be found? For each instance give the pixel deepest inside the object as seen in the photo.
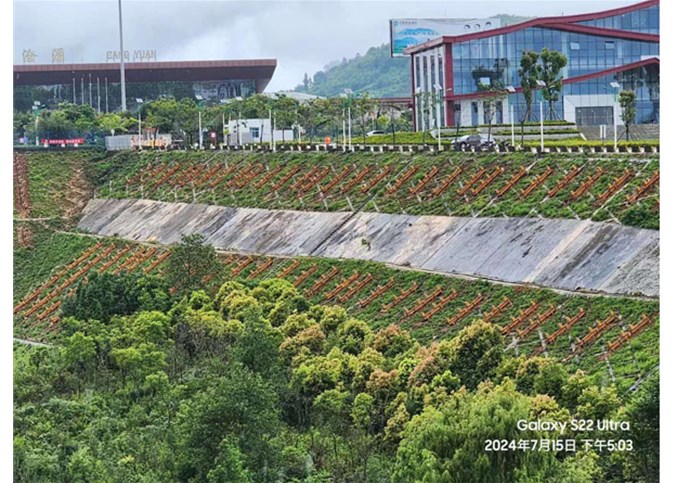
(256, 383)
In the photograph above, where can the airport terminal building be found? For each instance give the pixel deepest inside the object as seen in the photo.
(614, 46)
(98, 85)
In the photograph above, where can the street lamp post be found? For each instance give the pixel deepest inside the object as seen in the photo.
(200, 99)
(616, 86)
(139, 101)
(36, 109)
(438, 89)
(348, 92)
(511, 90)
(541, 84)
(122, 83)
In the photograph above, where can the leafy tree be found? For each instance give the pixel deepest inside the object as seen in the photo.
(529, 73)
(113, 122)
(447, 444)
(363, 109)
(628, 106)
(103, 296)
(191, 261)
(552, 63)
(643, 412)
(240, 406)
(285, 112)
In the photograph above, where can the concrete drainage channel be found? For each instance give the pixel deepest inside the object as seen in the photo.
(562, 254)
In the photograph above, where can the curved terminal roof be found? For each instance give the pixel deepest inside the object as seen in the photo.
(260, 70)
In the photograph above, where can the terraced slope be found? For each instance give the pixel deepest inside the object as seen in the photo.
(583, 330)
(620, 188)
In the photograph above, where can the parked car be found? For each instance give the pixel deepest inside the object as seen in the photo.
(373, 133)
(479, 141)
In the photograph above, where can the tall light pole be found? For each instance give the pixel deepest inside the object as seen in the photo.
(348, 92)
(200, 99)
(438, 89)
(511, 90)
(90, 91)
(139, 101)
(344, 96)
(36, 109)
(616, 86)
(122, 83)
(541, 84)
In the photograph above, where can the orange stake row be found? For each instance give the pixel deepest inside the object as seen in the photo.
(523, 316)
(466, 310)
(305, 275)
(466, 187)
(360, 285)
(588, 183)
(342, 286)
(615, 186)
(399, 182)
(424, 301)
(261, 268)
(421, 184)
(488, 180)
(447, 181)
(376, 293)
(647, 184)
(512, 181)
(537, 182)
(403, 295)
(437, 307)
(356, 180)
(323, 280)
(377, 179)
(633, 331)
(497, 309)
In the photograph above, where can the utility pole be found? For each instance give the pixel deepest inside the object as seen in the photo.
(122, 83)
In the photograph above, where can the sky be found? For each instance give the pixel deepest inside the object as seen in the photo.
(303, 36)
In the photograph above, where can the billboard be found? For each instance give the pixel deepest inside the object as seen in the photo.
(407, 32)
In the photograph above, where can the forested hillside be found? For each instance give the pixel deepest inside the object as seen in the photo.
(151, 382)
(374, 72)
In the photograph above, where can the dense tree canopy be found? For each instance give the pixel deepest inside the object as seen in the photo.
(255, 384)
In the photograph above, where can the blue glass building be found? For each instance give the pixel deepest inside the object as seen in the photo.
(450, 75)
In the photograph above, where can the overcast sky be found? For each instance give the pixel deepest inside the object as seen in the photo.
(303, 36)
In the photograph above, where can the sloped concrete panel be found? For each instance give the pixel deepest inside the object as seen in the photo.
(563, 254)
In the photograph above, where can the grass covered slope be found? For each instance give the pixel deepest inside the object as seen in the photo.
(59, 182)
(620, 188)
(432, 307)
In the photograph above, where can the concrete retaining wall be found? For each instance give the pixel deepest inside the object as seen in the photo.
(564, 254)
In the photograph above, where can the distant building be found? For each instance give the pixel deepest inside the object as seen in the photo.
(614, 46)
(245, 131)
(98, 85)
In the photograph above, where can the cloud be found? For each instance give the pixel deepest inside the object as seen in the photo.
(303, 35)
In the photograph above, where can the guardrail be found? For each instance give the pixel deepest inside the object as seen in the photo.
(430, 148)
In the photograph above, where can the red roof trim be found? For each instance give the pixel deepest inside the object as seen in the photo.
(569, 80)
(537, 22)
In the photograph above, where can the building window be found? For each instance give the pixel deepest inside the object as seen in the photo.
(255, 132)
(575, 46)
(610, 44)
